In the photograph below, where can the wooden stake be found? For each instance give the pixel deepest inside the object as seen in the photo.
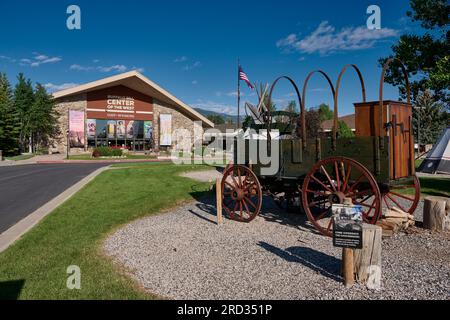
(219, 200)
(347, 267)
(435, 213)
(367, 261)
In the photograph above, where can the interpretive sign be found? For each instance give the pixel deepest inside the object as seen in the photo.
(347, 226)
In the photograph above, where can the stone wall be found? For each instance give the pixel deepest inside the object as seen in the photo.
(180, 120)
(63, 106)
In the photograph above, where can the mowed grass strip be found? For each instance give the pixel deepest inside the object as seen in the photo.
(35, 266)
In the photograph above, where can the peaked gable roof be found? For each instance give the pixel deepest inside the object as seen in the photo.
(138, 82)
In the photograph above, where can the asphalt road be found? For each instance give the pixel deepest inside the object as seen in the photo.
(23, 189)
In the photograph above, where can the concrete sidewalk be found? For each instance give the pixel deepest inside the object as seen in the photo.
(34, 160)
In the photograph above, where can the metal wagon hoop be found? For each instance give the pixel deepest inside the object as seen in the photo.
(336, 97)
(305, 85)
(302, 111)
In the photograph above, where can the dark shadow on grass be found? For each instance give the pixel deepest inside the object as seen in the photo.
(435, 186)
(317, 261)
(10, 290)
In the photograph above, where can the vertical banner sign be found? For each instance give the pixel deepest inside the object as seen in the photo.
(130, 129)
(121, 129)
(91, 128)
(76, 129)
(111, 126)
(165, 121)
(148, 129)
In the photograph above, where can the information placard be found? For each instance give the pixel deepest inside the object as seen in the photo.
(347, 226)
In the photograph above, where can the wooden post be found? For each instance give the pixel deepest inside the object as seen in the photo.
(219, 200)
(367, 264)
(347, 267)
(436, 212)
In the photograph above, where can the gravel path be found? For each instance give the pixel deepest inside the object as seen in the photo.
(185, 255)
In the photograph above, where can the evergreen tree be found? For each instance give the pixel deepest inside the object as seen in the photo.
(43, 119)
(429, 118)
(425, 53)
(344, 130)
(23, 100)
(9, 119)
(325, 112)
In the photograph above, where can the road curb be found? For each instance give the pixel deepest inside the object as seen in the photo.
(14, 233)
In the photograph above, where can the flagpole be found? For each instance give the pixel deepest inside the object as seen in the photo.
(238, 97)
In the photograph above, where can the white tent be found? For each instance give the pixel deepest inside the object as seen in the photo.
(438, 159)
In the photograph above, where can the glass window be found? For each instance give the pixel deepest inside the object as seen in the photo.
(139, 129)
(101, 129)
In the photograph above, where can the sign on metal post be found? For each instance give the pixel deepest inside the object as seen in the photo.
(347, 226)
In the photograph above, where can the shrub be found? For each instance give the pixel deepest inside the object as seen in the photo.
(106, 152)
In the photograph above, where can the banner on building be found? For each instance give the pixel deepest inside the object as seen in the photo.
(130, 129)
(121, 129)
(165, 121)
(76, 129)
(111, 129)
(91, 128)
(148, 129)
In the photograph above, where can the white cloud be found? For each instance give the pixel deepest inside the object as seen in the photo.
(141, 70)
(181, 59)
(105, 69)
(192, 66)
(58, 87)
(6, 58)
(38, 59)
(78, 67)
(326, 39)
(216, 107)
(116, 68)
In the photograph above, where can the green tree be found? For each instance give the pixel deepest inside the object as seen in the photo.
(291, 107)
(429, 118)
(425, 55)
(9, 119)
(247, 122)
(23, 101)
(43, 119)
(344, 130)
(325, 112)
(216, 119)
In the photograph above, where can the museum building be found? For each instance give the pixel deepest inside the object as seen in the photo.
(124, 111)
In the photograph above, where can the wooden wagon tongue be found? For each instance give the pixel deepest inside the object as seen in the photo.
(374, 169)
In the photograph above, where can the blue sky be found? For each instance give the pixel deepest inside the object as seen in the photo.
(191, 47)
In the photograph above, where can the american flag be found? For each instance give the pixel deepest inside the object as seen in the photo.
(243, 76)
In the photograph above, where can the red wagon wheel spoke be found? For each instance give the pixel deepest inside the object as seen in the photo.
(401, 196)
(405, 197)
(321, 183)
(244, 193)
(353, 181)
(328, 178)
(337, 176)
(347, 177)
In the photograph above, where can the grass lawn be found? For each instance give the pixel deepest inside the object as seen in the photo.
(20, 157)
(435, 187)
(128, 156)
(36, 265)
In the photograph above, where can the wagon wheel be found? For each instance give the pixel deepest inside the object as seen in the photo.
(332, 180)
(404, 197)
(241, 193)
